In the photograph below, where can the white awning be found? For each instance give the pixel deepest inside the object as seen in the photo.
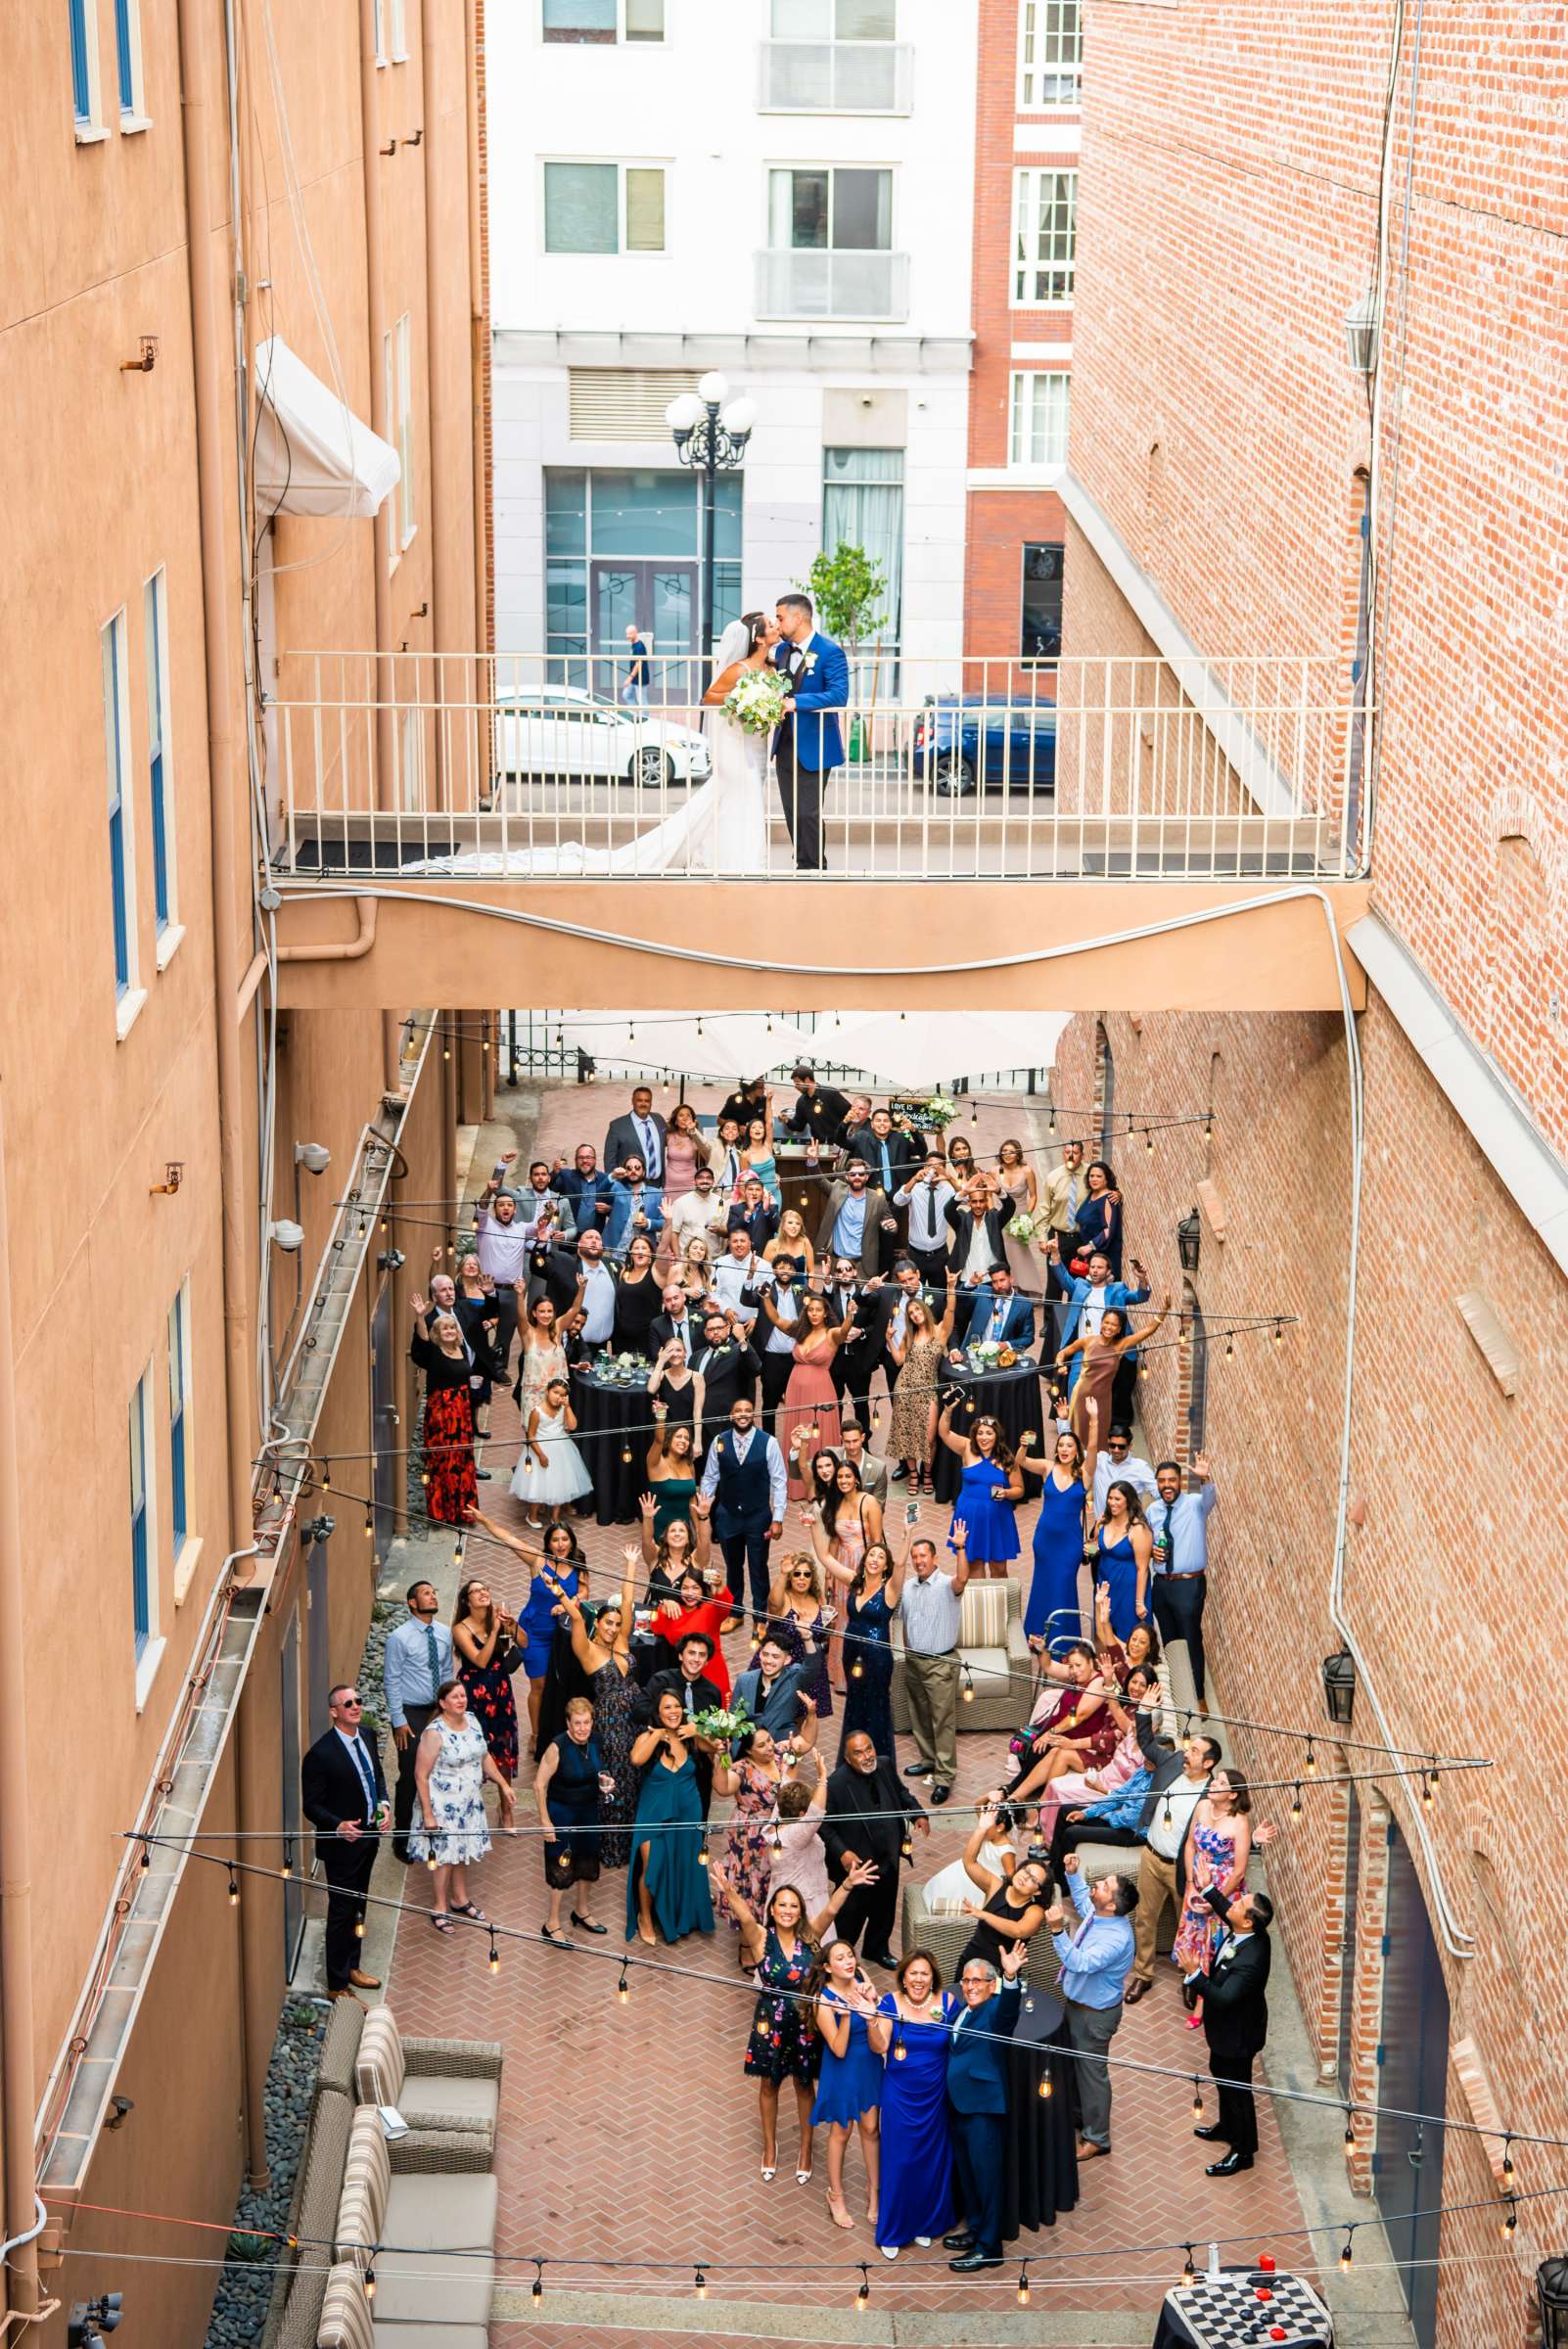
(925, 1048)
(312, 453)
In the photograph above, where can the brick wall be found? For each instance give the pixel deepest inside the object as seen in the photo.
(1447, 1574)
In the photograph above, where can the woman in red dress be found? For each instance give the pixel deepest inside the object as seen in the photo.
(695, 1608)
(447, 1429)
(809, 1415)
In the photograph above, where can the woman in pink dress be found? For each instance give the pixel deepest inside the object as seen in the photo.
(809, 1415)
(1081, 1786)
(684, 1151)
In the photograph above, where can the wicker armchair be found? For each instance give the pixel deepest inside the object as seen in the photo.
(442, 2271)
(437, 2084)
(993, 1657)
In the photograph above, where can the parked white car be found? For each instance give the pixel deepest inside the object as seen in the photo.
(558, 731)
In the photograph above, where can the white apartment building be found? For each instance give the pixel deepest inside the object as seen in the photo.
(782, 191)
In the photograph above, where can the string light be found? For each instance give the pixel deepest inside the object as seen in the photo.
(495, 1955)
(623, 1987)
(1148, 1139)
(234, 1889)
(1295, 1802)
(700, 2286)
(1231, 1346)
(1346, 2252)
(1280, 1332)
(968, 1690)
(1044, 2086)
(777, 1845)
(704, 1851)
(1189, 2274)
(287, 1868)
(1197, 2098)
(899, 2051)
(370, 1525)
(370, 2272)
(536, 2290)
(360, 1927)
(864, 2295)
(1350, 2130)
(1023, 2285)
(1510, 2222)
(146, 1855)
(1311, 1764)
(1507, 2160)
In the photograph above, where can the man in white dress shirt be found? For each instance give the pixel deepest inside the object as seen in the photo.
(736, 1281)
(593, 1325)
(927, 1196)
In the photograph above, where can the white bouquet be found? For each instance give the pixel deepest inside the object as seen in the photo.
(755, 700)
(1022, 1227)
(984, 1353)
(940, 1110)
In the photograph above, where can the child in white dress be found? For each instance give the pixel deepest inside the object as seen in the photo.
(549, 1473)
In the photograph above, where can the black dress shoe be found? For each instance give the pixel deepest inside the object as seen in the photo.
(1212, 2130)
(963, 2241)
(895, 1476)
(878, 1957)
(973, 2260)
(484, 1475)
(917, 1769)
(940, 1794)
(588, 1924)
(1227, 2167)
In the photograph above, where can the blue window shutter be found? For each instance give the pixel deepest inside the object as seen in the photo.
(128, 63)
(116, 818)
(80, 80)
(155, 698)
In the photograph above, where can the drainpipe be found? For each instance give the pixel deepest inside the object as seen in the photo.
(444, 569)
(198, 66)
(381, 529)
(353, 949)
(18, 2276)
(478, 327)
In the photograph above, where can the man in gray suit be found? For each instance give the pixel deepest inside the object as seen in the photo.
(872, 1472)
(639, 1135)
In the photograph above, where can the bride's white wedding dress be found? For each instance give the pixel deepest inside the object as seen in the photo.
(722, 827)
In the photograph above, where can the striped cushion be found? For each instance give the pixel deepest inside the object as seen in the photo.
(982, 1619)
(346, 2319)
(379, 2067)
(366, 2183)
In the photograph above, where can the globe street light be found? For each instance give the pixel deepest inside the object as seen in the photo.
(710, 433)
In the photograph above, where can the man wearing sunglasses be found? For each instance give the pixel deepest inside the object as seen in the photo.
(345, 1798)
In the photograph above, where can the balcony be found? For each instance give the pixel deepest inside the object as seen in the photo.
(835, 78)
(811, 283)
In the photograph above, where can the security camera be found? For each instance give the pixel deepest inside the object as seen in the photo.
(314, 1157)
(318, 1529)
(289, 1236)
(391, 1259)
(90, 2320)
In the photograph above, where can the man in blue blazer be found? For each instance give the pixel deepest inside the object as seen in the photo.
(998, 1315)
(977, 2100)
(808, 746)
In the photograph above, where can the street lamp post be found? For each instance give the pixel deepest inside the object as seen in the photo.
(709, 440)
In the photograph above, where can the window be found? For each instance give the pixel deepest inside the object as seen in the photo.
(604, 20)
(83, 21)
(128, 55)
(397, 360)
(1197, 1351)
(1039, 420)
(622, 546)
(862, 505)
(140, 1522)
(834, 210)
(604, 207)
(1044, 237)
(180, 1415)
(155, 621)
(396, 30)
(117, 745)
(1041, 621)
(1050, 51)
(834, 19)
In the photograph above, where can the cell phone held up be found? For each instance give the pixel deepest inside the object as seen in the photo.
(911, 1512)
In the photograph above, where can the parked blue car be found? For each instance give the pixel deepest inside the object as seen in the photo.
(986, 738)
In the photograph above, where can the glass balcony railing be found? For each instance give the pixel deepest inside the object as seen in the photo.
(835, 77)
(812, 283)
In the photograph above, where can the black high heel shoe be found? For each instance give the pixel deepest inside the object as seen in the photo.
(586, 1924)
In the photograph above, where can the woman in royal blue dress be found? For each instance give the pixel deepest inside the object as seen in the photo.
(872, 1588)
(989, 1492)
(1051, 1610)
(1099, 1218)
(667, 1886)
(912, 2032)
(1127, 1546)
(848, 2094)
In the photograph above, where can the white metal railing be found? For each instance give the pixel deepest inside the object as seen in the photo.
(835, 78)
(529, 767)
(811, 282)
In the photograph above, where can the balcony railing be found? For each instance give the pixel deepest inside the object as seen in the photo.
(835, 77)
(811, 283)
(515, 768)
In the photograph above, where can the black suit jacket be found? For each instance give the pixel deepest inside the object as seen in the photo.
(880, 1839)
(759, 1223)
(553, 1271)
(729, 1370)
(961, 1224)
(904, 1156)
(1235, 2007)
(663, 1328)
(331, 1789)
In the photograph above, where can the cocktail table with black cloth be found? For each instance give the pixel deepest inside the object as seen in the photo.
(613, 1427)
(1039, 2171)
(1226, 2312)
(1012, 1398)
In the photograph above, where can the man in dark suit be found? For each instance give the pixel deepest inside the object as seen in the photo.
(773, 1693)
(745, 1479)
(728, 1366)
(675, 1325)
(1235, 2020)
(977, 1243)
(870, 1814)
(345, 1798)
(554, 1270)
(687, 1678)
(889, 1150)
(976, 2105)
(639, 1135)
(1002, 1318)
(841, 1288)
(754, 1212)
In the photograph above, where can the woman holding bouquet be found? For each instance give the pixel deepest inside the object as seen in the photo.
(753, 1777)
(668, 1884)
(1017, 1193)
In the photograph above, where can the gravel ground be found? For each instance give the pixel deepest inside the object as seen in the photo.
(240, 2310)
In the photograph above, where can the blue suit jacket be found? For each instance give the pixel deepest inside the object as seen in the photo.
(1018, 1329)
(977, 2077)
(1117, 1293)
(818, 692)
(617, 1231)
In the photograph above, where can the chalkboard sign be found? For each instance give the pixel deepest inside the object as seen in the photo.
(913, 1106)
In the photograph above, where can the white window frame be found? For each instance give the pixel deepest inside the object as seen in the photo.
(621, 40)
(833, 35)
(113, 641)
(90, 126)
(622, 164)
(832, 166)
(397, 369)
(159, 745)
(397, 29)
(1026, 199)
(1022, 403)
(188, 1546)
(1032, 54)
(133, 117)
(139, 1418)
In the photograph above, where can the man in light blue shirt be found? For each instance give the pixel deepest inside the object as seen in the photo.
(416, 1659)
(1179, 1523)
(1096, 1960)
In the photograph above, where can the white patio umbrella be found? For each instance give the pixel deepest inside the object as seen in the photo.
(922, 1050)
(727, 1045)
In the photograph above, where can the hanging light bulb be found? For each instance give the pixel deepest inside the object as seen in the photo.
(1280, 1332)
(699, 2287)
(864, 2293)
(370, 2282)
(1189, 2274)
(1168, 1817)
(1148, 1139)
(1051, 1124)
(1295, 1802)
(626, 1453)
(1197, 2098)
(899, 2051)
(1023, 2285)
(1427, 1785)
(1510, 2222)
(973, 1116)
(1507, 2161)
(326, 1476)
(495, 1955)
(1045, 2088)
(1432, 1782)
(704, 1851)
(1350, 2130)
(146, 1855)
(536, 2290)
(287, 1869)
(234, 1887)
(1346, 2254)
(370, 1525)
(776, 1847)
(1311, 1759)
(906, 1849)
(858, 1670)
(1231, 1346)
(424, 1476)
(623, 1985)
(968, 1690)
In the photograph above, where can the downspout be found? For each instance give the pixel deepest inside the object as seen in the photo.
(478, 328)
(197, 70)
(353, 950)
(18, 2276)
(442, 563)
(381, 527)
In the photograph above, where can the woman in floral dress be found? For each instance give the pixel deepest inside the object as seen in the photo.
(604, 1654)
(543, 1356)
(446, 1429)
(918, 1354)
(450, 1768)
(488, 1655)
(754, 1778)
(780, 1943)
(1218, 1847)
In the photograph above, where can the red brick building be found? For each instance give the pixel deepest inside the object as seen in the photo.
(1253, 183)
(1026, 193)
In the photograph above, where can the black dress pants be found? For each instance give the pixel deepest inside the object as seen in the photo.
(1237, 2122)
(977, 2156)
(746, 1555)
(872, 1908)
(776, 1368)
(1178, 1600)
(346, 1867)
(1068, 1834)
(418, 1718)
(800, 790)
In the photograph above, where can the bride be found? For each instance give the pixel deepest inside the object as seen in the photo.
(723, 828)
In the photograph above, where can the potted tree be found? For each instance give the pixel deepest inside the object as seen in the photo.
(848, 588)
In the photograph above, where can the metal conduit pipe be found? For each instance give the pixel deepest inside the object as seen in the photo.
(353, 950)
(18, 2276)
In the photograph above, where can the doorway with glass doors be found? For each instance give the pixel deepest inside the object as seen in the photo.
(660, 601)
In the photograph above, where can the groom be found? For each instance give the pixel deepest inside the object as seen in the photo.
(808, 746)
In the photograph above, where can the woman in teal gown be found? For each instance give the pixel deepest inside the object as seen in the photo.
(667, 1886)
